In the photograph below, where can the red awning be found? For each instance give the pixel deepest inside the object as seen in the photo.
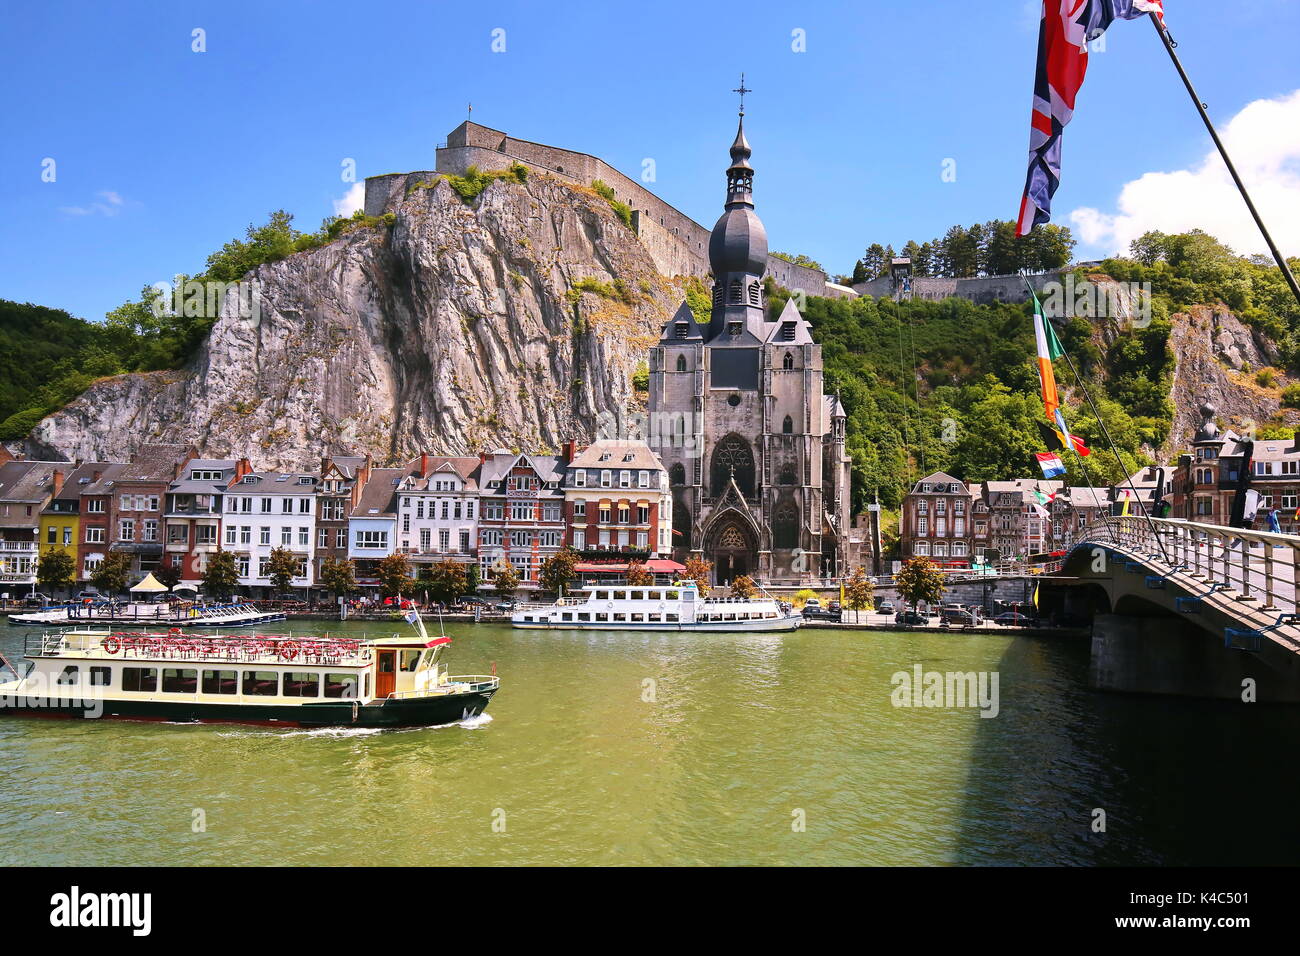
(664, 566)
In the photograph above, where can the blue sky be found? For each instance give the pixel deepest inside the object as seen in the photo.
(162, 154)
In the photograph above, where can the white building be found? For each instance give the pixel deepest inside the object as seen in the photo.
(437, 510)
(267, 510)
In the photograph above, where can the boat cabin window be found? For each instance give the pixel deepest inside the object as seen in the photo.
(385, 663)
(601, 616)
(140, 678)
(341, 685)
(655, 595)
(304, 683)
(619, 595)
(221, 682)
(410, 660)
(670, 617)
(101, 676)
(261, 683)
(566, 616)
(638, 618)
(69, 675)
(180, 680)
(672, 595)
(584, 616)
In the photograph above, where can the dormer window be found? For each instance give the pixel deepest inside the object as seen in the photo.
(786, 334)
(681, 332)
(249, 479)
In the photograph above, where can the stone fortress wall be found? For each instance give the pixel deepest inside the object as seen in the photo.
(981, 290)
(677, 244)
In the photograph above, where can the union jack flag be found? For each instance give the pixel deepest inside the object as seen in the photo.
(1068, 27)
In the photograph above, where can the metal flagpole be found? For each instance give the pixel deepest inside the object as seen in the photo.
(1205, 117)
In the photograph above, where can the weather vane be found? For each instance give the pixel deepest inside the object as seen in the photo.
(742, 91)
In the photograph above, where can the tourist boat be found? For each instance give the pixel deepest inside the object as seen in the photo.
(274, 680)
(658, 607)
(159, 615)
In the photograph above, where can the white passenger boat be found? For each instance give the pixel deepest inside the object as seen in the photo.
(675, 607)
(277, 680)
(153, 615)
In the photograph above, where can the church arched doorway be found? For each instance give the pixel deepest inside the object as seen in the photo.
(732, 456)
(681, 524)
(732, 548)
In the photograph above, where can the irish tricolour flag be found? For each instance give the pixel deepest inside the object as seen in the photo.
(1049, 347)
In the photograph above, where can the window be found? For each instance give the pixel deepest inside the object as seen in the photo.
(264, 535)
(180, 680)
(444, 539)
(341, 685)
(372, 539)
(261, 683)
(140, 679)
(101, 676)
(304, 537)
(787, 426)
(625, 479)
(304, 506)
(425, 540)
(149, 530)
(126, 529)
(322, 537)
(580, 509)
(69, 675)
(579, 540)
(95, 506)
(681, 359)
(220, 682)
(266, 506)
(301, 684)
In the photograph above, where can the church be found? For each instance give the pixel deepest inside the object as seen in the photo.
(753, 446)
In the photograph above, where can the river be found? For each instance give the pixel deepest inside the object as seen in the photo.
(633, 748)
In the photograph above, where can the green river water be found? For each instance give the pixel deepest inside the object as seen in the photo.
(747, 735)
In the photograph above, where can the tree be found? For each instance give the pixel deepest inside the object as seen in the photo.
(111, 575)
(339, 575)
(169, 574)
(394, 574)
(699, 571)
(873, 263)
(860, 272)
(920, 579)
(638, 576)
(559, 570)
(281, 568)
(54, 569)
(445, 580)
(505, 580)
(858, 590)
(472, 578)
(220, 576)
(743, 586)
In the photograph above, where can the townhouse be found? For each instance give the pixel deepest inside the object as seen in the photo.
(26, 487)
(94, 520)
(617, 498)
(933, 522)
(61, 517)
(342, 480)
(521, 513)
(192, 512)
(438, 510)
(135, 516)
(262, 511)
(372, 526)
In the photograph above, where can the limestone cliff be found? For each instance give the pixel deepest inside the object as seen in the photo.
(456, 328)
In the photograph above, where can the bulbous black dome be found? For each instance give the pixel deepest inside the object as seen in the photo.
(738, 243)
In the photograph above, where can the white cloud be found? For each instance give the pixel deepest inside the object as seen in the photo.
(351, 201)
(110, 204)
(1264, 143)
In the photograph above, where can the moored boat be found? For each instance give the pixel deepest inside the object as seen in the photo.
(279, 680)
(105, 612)
(675, 607)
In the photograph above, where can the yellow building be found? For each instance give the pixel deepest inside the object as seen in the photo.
(60, 520)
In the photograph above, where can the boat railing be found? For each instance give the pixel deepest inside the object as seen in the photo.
(255, 649)
(474, 683)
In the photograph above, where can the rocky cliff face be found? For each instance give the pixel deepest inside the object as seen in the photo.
(455, 329)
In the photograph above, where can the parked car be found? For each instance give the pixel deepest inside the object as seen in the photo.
(506, 606)
(37, 599)
(834, 606)
(886, 607)
(959, 616)
(89, 596)
(820, 613)
(813, 604)
(1015, 619)
(473, 602)
(909, 617)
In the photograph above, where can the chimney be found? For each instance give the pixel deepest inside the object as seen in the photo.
(570, 449)
(57, 478)
(95, 475)
(482, 458)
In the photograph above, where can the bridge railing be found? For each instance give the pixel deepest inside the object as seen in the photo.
(1255, 564)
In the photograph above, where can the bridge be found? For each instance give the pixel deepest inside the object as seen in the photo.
(1185, 608)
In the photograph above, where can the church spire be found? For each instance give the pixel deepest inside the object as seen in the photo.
(740, 175)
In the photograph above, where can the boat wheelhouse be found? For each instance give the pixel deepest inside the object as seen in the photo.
(655, 607)
(277, 680)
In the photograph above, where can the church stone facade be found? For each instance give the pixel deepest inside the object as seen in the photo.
(753, 446)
